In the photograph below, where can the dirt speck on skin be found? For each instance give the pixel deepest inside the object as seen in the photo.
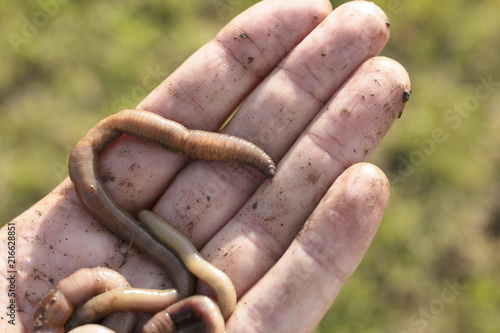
(190, 227)
(129, 188)
(346, 112)
(313, 177)
(107, 176)
(133, 166)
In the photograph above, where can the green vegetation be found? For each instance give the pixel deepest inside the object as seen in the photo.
(85, 60)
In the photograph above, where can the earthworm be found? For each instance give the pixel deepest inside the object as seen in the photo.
(202, 269)
(199, 307)
(125, 299)
(56, 308)
(171, 135)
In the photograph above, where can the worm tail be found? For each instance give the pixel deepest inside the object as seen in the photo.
(226, 148)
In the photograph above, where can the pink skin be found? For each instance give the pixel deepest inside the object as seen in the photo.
(230, 212)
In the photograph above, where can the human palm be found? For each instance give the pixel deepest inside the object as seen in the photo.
(315, 97)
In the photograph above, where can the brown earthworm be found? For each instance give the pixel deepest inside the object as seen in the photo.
(200, 307)
(171, 135)
(202, 269)
(56, 308)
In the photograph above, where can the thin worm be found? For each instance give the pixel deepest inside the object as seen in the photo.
(125, 299)
(194, 307)
(171, 135)
(202, 269)
(56, 308)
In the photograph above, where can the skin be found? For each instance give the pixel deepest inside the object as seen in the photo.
(280, 264)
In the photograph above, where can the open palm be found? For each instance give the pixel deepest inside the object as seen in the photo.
(315, 97)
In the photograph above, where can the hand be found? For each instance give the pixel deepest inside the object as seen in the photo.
(316, 99)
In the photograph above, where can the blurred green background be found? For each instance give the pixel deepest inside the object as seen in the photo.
(434, 264)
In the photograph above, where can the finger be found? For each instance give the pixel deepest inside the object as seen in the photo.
(325, 253)
(345, 132)
(204, 91)
(206, 195)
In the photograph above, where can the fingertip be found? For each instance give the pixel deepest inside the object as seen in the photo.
(374, 21)
(373, 171)
(397, 71)
(367, 181)
(395, 79)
